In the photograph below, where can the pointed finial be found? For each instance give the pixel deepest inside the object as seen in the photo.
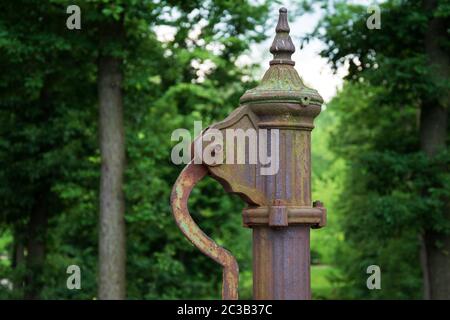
(282, 47)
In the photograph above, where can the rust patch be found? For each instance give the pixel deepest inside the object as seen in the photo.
(188, 178)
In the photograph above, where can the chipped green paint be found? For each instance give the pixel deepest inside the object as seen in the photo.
(282, 83)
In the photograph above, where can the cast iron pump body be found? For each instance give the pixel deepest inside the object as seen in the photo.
(279, 207)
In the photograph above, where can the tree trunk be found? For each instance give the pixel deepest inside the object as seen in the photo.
(112, 252)
(433, 135)
(37, 229)
(424, 266)
(18, 254)
(18, 258)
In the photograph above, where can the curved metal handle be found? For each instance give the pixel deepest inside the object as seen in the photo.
(182, 188)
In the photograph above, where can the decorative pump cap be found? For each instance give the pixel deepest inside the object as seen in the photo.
(277, 192)
(281, 82)
(282, 47)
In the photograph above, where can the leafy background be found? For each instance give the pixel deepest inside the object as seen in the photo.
(367, 165)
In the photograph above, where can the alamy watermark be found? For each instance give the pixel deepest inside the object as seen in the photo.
(74, 280)
(374, 20)
(374, 280)
(236, 146)
(74, 20)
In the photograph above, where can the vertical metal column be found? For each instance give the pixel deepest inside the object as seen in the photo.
(281, 248)
(280, 210)
(281, 263)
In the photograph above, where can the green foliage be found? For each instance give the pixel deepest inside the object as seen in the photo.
(390, 192)
(48, 137)
(380, 191)
(327, 184)
(382, 206)
(322, 286)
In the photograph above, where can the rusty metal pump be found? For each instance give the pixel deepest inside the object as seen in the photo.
(279, 207)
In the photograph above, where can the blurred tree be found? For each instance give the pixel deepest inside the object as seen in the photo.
(43, 133)
(112, 253)
(401, 109)
(49, 150)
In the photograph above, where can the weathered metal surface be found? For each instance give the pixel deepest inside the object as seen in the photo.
(281, 81)
(281, 258)
(289, 215)
(280, 210)
(188, 178)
